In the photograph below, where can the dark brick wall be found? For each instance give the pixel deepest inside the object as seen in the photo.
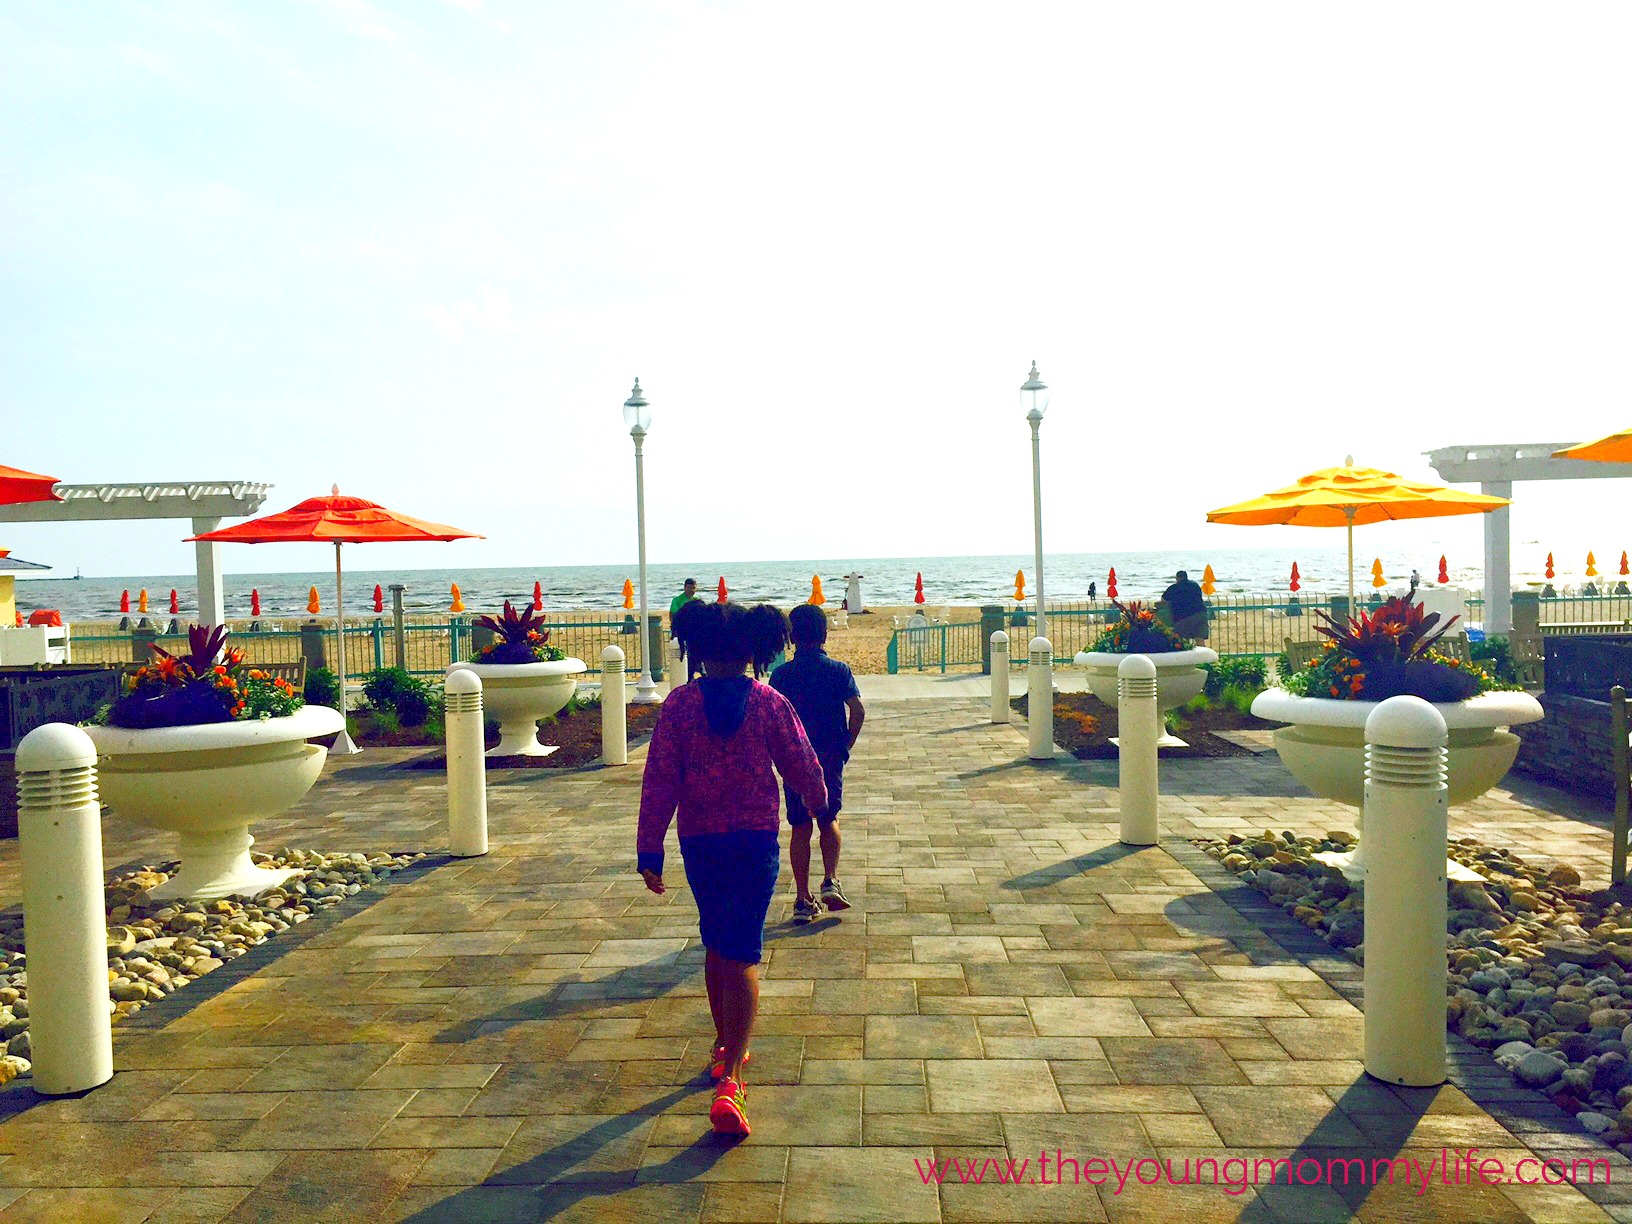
(1570, 746)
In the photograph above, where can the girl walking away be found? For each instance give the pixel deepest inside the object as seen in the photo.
(711, 758)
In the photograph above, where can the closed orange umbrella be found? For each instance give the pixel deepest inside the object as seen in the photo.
(1624, 570)
(1208, 582)
(1350, 496)
(628, 594)
(1019, 585)
(141, 602)
(1548, 572)
(458, 604)
(816, 596)
(313, 604)
(1377, 579)
(337, 520)
(1592, 566)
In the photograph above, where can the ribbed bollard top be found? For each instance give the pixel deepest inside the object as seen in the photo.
(1405, 743)
(1000, 639)
(612, 658)
(1136, 677)
(464, 691)
(56, 767)
(1042, 646)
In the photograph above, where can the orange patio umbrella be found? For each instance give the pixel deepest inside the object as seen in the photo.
(1548, 572)
(1624, 570)
(628, 595)
(18, 486)
(816, 596)
(1209, 583)
(1019, 585)
(1377, 579)
(457, 603)
(141, 602)
(1350, 496)
(336, 520)
(1617, 448)
(1592, 565)
(314, 605)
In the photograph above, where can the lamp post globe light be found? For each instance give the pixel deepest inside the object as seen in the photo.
(1034, 400)
(637, 415)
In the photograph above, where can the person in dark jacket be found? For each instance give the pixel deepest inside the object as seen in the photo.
(1187, 607)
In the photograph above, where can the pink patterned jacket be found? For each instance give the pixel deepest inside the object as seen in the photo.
(723, 785)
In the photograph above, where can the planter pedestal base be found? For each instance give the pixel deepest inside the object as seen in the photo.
(1353, 867)
(1165, 740)
(520, 740)
(216, 865)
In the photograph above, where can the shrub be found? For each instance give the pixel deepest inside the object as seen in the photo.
(323, 688)
(386, 721)
(1236, 671)
(408, 698)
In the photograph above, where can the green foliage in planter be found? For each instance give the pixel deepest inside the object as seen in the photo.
(1236, 671)
(1495, 655)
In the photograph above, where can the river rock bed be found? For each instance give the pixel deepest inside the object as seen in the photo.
(156, 948)
(1540, 970)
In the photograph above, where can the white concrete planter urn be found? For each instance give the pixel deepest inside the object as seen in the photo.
(209, 783)
(1324, 746)
(1179, 678)
(519, 694)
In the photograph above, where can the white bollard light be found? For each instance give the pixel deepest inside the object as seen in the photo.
(1405, 893)
(59, 830)
(467, 763)
(1138, 727)
(1000, 677)
(614, 713)
(1040, 700)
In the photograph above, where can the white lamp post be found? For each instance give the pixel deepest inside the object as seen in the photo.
(1034, 399)
(637, 415)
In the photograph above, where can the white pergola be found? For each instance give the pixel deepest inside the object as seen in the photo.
(1496, 469)
(205, 502)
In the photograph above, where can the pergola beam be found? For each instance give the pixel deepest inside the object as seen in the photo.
(1496, 469)
(203, 502)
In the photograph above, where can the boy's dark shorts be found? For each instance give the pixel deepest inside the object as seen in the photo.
(833, 775)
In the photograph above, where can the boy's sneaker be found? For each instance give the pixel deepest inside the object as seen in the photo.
(729, 1113)
(833, 896)
(805, 908)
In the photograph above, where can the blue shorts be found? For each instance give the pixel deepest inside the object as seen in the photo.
(833, 775)
(732, 878)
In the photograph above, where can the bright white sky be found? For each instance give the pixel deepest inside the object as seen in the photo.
(421, 249)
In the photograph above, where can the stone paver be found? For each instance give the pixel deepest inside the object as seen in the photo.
(520, 1036)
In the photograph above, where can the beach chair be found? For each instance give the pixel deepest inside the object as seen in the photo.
(1298, 654)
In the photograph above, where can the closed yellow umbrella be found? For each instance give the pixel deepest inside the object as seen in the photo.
(458, 604)
(816, 596)
(1348, 496)
(1377, 579)
(1617, 448)
(1592, 566)
(1208, 581)
(1019, 586)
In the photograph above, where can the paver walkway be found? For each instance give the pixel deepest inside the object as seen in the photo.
(519, 1037)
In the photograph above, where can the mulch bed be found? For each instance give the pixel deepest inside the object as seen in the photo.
(577, 735)
(1092, 741)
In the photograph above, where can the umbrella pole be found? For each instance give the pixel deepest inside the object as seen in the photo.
(343, 745)
(1348, 513)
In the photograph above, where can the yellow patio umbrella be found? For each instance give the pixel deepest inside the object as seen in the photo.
(1348, 496)
(1617, 448)
(1208, 582)
(141, 602)
(816, 596)
(1592, 566)
(458, 604)
(1377, 579)
(1019, 586)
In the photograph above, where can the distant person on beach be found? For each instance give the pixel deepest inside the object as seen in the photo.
(1416, 581)
(711, 759)
(1093, 590)
(688, 594)
(1187, 607)
(825, 696)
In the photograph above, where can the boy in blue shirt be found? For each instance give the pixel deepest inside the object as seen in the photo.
(825, 696)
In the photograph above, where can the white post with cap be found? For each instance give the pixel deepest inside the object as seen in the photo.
(467, 763)
(614, 714)
(1039, 700)
(65, 925)
(1000, 677)
(1406, 830)
(1138, 728)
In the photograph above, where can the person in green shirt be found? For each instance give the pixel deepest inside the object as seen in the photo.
(688, 593)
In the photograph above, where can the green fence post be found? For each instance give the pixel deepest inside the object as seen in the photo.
(892, 654)
(991, 620)
(654, 644)
(943, 649)
(379, 644)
